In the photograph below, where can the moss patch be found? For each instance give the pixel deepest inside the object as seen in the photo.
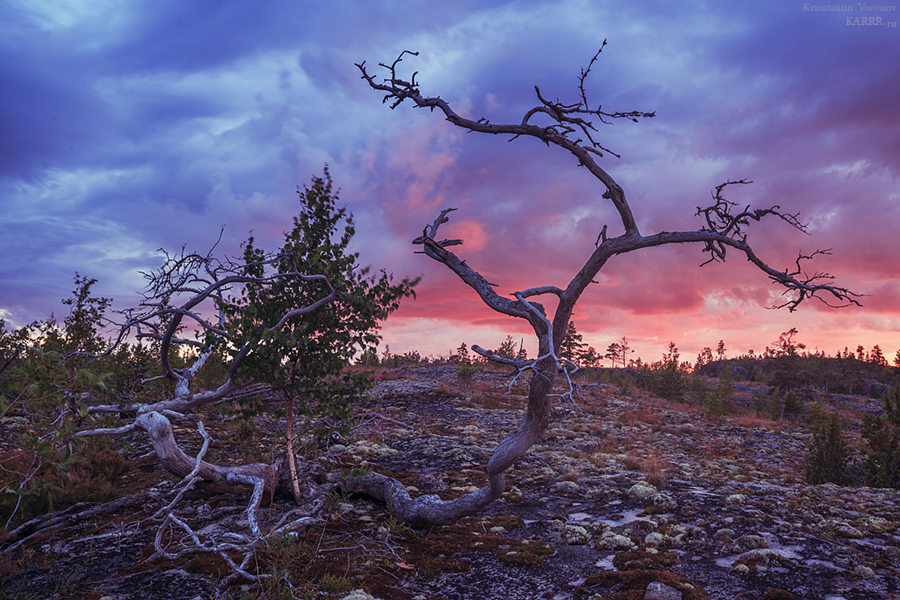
(639, 559)
(631, 585)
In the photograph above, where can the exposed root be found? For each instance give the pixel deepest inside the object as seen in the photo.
(424, 510)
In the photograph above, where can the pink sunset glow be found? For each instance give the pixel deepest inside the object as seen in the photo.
(179, 118)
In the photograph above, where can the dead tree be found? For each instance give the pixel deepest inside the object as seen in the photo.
(187, 288)
(571, 128)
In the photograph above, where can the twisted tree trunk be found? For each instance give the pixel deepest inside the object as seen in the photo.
(430, 509)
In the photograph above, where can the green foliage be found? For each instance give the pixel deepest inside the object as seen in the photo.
(768, 403)
(466, 369)
(305, 359)
(881, 466)
(590, 358)
(334, 584)
(49, 372)
(618, 352)
(704, 358)
(877, 356)
(407, 359)
(786, 372)
(794, 400)
(284, 558)
(826, 461)
(507, 348)
(572, 344)
(665, 378)
(713, 398)
(42, 389)
(38, 390)
(37, 478)
(86, 318)
(368, 358)
(462, 355)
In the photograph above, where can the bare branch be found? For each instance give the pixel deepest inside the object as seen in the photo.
(536, 291)
(566, 120)
(475, 280)
(506, 360)
(307, 309)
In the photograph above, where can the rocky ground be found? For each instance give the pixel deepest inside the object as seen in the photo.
(627, 496)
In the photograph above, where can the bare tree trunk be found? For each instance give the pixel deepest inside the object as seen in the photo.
(292, 463)
(430, 509)
(537, 418)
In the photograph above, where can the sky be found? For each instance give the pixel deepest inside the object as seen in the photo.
(126, 127)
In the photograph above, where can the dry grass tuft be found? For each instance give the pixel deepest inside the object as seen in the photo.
(654, 467)
(635, 416)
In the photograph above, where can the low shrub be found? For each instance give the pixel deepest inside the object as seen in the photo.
(827, 458)
(881, 466)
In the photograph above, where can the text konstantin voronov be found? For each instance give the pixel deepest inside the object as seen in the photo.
(847, 7)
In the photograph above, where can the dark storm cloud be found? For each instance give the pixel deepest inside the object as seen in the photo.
(130, 127)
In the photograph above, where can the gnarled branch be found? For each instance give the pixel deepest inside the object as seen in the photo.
(566, 120)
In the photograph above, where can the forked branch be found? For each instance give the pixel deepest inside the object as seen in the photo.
(567, 123)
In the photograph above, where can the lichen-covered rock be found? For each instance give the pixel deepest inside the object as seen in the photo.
(761, 558)
(863, 572)
(843, 529)
(660, 591)
(614, 541)
(823, 540)
(596, 493)
(641, 492)
(749, 542)
(664, 501)
(878, 525)
(683, 535)
(566, 487)
(596, 528)
(513, 494)
(724, 535)
(359, 595)
(576, 535)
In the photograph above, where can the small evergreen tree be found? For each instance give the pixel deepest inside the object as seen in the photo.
(507, 348)
(720, 350)
(827, 458)
(665, 377)
(305, 358)
(572, 344)
(881, 467)
(618, 352)
(590, 357)
(462, 354)
(877, 356)
(82, 326)
(704, 358)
